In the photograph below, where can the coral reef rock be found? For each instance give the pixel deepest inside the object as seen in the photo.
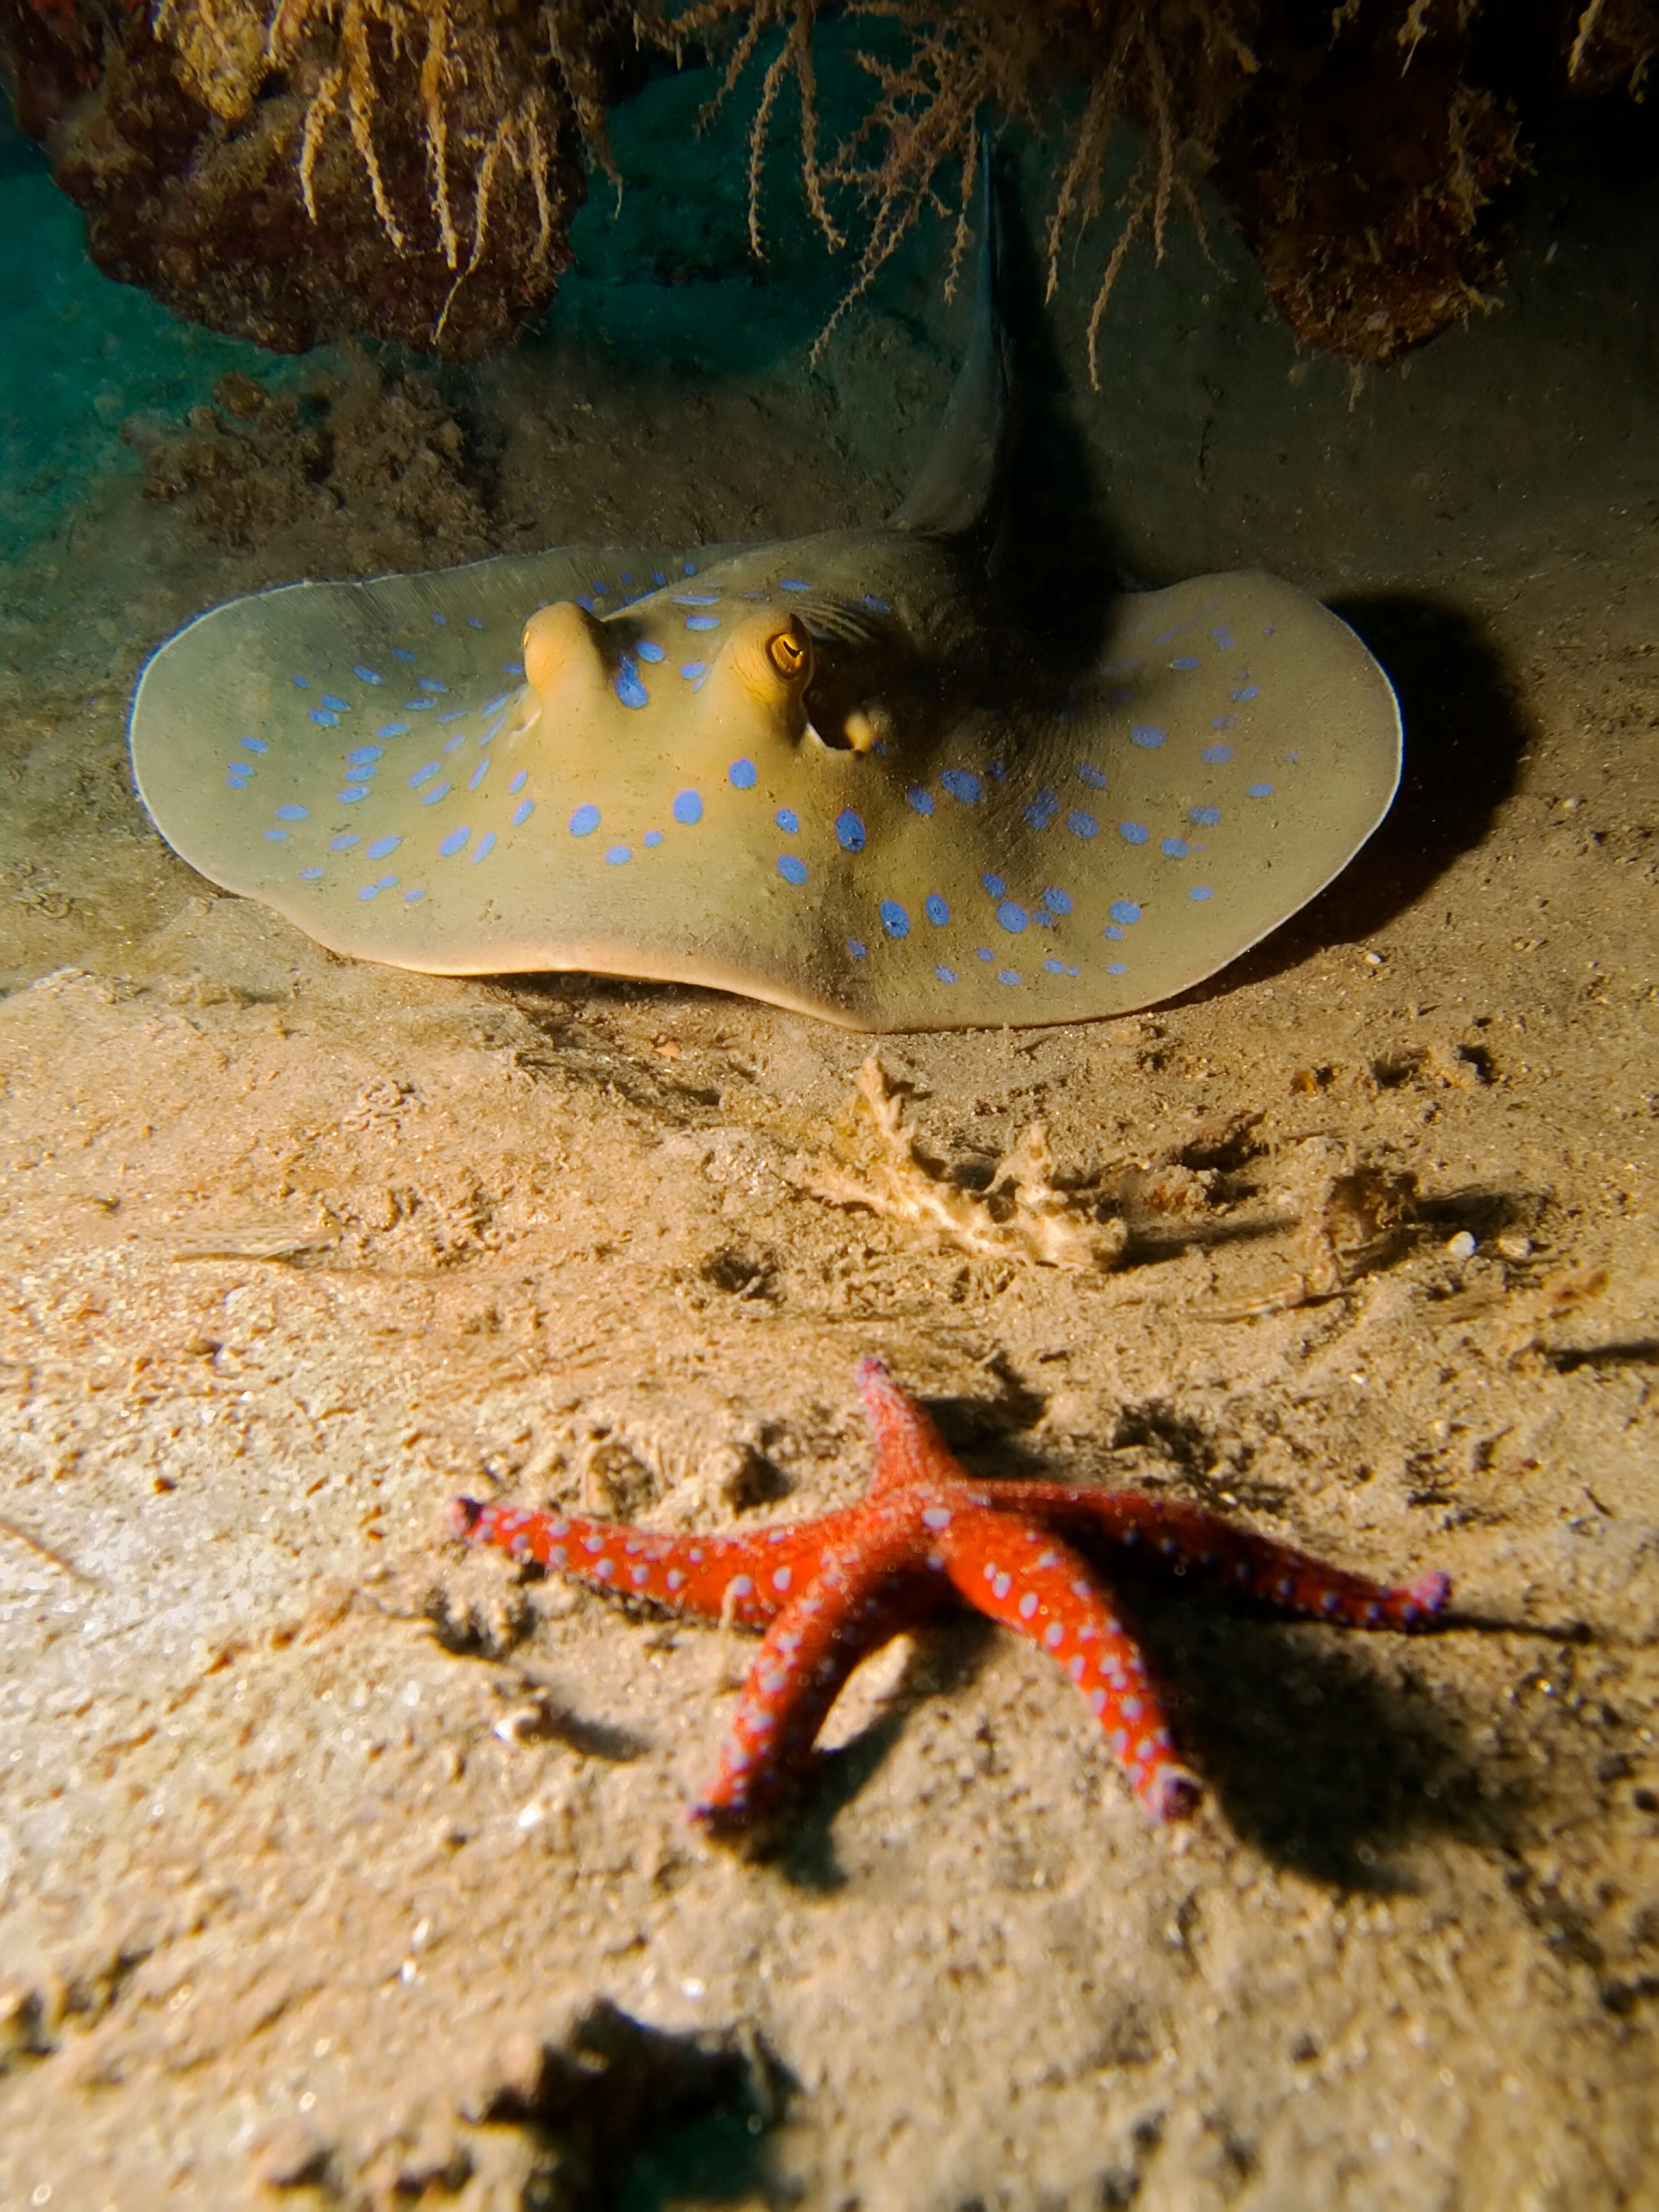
(390, 172)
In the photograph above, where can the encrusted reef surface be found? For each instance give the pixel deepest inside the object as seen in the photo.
(408, 169)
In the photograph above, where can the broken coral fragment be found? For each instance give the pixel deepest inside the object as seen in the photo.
(1021, 1214)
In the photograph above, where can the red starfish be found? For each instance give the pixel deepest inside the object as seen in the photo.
(829, 1591)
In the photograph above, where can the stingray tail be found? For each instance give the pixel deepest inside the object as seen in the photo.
(954, 489)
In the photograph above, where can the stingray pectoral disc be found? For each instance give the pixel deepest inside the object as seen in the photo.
(979, 839)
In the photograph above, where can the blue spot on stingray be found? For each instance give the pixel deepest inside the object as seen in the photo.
(876, 606)
(1117, 967)
(741, 774)
(1187, 660)
(1174, 849)
(417, 706)
(792, 583)
(336, 706)
(401, 653)
(945, 975)
(350, 793)
(618, 856)
(431, 682)
(788, 820)
(702, 622)
(490, 706)
(1147, 736)
(321, 715)
(894, 919)
(442, 620)
(477, 776)
(364, 754)
(585, 821)
(962, 784)
(687, 809)
(688, 568)
(1247, 691)
(303, 683)
(792, 870)
(438, 793)
(1057, 901)
(276, 836)
(381, 847)
(694, 670)
(1124, 910)
(513, 668)
(475, 621)
(310, 875)
(493, 731)
(526, 807)
(517, 781)
(1093, 777)
(1261, 790)
(993, 884)
(599, 587)
(255, 744)
(485, 848)
(414, 897)
(629, 688)
(393, 730)
(1215, 754)
(1012, 915)
(657, 578)
(648, 649)
(343, 844)
(1054, 967)
(936, 910)
(1007, 975)
(697, 598)
(292, 813)
(653, 838)
(983, 953)
(849, 831)
(1201, 893)
(857, 949)
(455, 714)
(922, 800)
(455, 842)
(1112, 931)
(1205, 817)
(1042, 809)
(368, 675)
(1134, 833)
(628, 575)
(1081, 824)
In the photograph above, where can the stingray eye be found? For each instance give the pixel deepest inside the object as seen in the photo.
(789, 653)
(556, 638)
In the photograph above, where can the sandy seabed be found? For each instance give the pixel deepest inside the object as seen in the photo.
(337, 1867)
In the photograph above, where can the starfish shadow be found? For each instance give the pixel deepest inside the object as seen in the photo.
(1325, 1756)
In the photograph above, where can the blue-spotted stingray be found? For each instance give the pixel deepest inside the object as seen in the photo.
(828, 772)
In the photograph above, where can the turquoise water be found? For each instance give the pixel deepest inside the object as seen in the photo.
(79, 356)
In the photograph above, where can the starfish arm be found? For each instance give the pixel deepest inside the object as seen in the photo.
(1017, 1572)
(1236, 1559)
(743, 1578)
(861, 1596)
(909, 1449)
